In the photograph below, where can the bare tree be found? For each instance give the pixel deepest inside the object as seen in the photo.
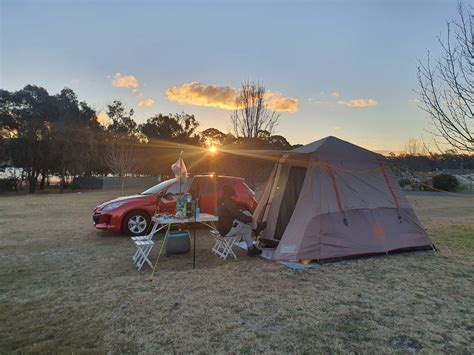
(252, 114)
(415, 147)
(446, 87)
(120, 157)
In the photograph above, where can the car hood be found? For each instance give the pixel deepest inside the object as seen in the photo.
(122, 199)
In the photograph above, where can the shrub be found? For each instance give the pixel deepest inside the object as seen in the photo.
(445, 182)
(404, 182)
(8, 184)
(427, 185)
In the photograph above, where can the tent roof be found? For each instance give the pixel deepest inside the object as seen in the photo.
(328, 144)
(334, 145)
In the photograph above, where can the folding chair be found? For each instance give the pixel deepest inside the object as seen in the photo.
(141, 246)
(143, 251)
(223, 245)
(138, 252)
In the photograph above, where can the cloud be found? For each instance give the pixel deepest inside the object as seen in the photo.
(146, 103)
(277, 102)
(336, 128)
(358, 103)
(103, 119)
(125, 81)
(196, 93)
(335, 94)
(135, 92)
(225, 97)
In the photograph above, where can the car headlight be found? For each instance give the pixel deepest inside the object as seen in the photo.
(112, 206)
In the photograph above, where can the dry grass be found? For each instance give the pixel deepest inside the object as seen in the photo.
(65, 287)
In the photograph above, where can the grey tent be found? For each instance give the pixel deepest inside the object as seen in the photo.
(331, 199)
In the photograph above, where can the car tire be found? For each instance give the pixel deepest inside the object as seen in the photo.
(136, 223)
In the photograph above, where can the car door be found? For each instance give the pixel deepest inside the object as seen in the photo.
(209, 195)
(168, 198)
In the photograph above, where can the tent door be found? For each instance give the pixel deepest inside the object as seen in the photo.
(290, 197)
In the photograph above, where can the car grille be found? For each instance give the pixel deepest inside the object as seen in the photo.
(96, 217)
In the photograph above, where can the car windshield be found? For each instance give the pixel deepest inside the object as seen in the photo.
(171, 186)
(161, 186)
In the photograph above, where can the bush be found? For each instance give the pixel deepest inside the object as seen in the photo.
(445, 182)
(8, 184)
(404, 182)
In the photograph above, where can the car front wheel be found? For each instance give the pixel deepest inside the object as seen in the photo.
(136, 223)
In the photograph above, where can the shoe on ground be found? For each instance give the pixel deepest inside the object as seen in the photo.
(253, 251)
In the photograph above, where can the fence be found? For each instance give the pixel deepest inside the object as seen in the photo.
(99, 183)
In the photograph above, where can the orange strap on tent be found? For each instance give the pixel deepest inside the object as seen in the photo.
(391, 191)
(388, 184)
(336, 190)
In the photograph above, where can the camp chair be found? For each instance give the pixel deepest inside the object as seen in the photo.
(140, 246)
(223, 245)
(138, 252)
(144, 248)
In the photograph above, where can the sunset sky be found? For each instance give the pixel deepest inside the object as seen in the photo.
(343, 68)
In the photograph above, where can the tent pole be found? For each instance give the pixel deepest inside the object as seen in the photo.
(194, 238)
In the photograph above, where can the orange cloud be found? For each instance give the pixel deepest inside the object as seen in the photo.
(196, 93)
(146, 103)
(277, 102)
(103, 119)
(358, 103)
(125, 81)
(225, 97)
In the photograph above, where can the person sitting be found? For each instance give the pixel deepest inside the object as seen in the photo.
(232, 221)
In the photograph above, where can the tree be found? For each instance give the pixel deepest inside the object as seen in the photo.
(120, 156)
(71, 136)
(415, 147)
(122, 123)
(212, 136)
(252, 114)
(28, 114)
(446, 87)
(278, 142)
(179, 128)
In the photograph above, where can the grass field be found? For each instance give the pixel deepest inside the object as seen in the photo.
(65, 287)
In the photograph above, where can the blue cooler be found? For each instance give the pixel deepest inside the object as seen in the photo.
(178, 242)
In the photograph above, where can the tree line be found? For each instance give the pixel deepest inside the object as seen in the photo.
(45, 135)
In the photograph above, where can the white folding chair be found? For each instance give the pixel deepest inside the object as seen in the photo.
(137, 252)
(144, 248)
(223, 245)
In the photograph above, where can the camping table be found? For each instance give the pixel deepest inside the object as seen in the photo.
(160, 222)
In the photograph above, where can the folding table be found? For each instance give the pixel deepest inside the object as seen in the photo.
(145, 244)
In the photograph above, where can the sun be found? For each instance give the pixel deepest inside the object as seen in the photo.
(212, 149)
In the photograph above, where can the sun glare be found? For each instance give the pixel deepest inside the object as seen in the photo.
(212, 149)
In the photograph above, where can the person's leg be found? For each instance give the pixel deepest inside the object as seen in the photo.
(243, 229)
(256, 227)
(252, 224)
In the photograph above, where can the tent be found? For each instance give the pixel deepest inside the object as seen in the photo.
(331, 199)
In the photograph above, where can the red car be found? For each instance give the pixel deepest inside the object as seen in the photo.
(131, 214)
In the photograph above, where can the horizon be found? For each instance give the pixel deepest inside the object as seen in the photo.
(346, 69)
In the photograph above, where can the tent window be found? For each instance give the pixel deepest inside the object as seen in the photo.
(290, 197)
